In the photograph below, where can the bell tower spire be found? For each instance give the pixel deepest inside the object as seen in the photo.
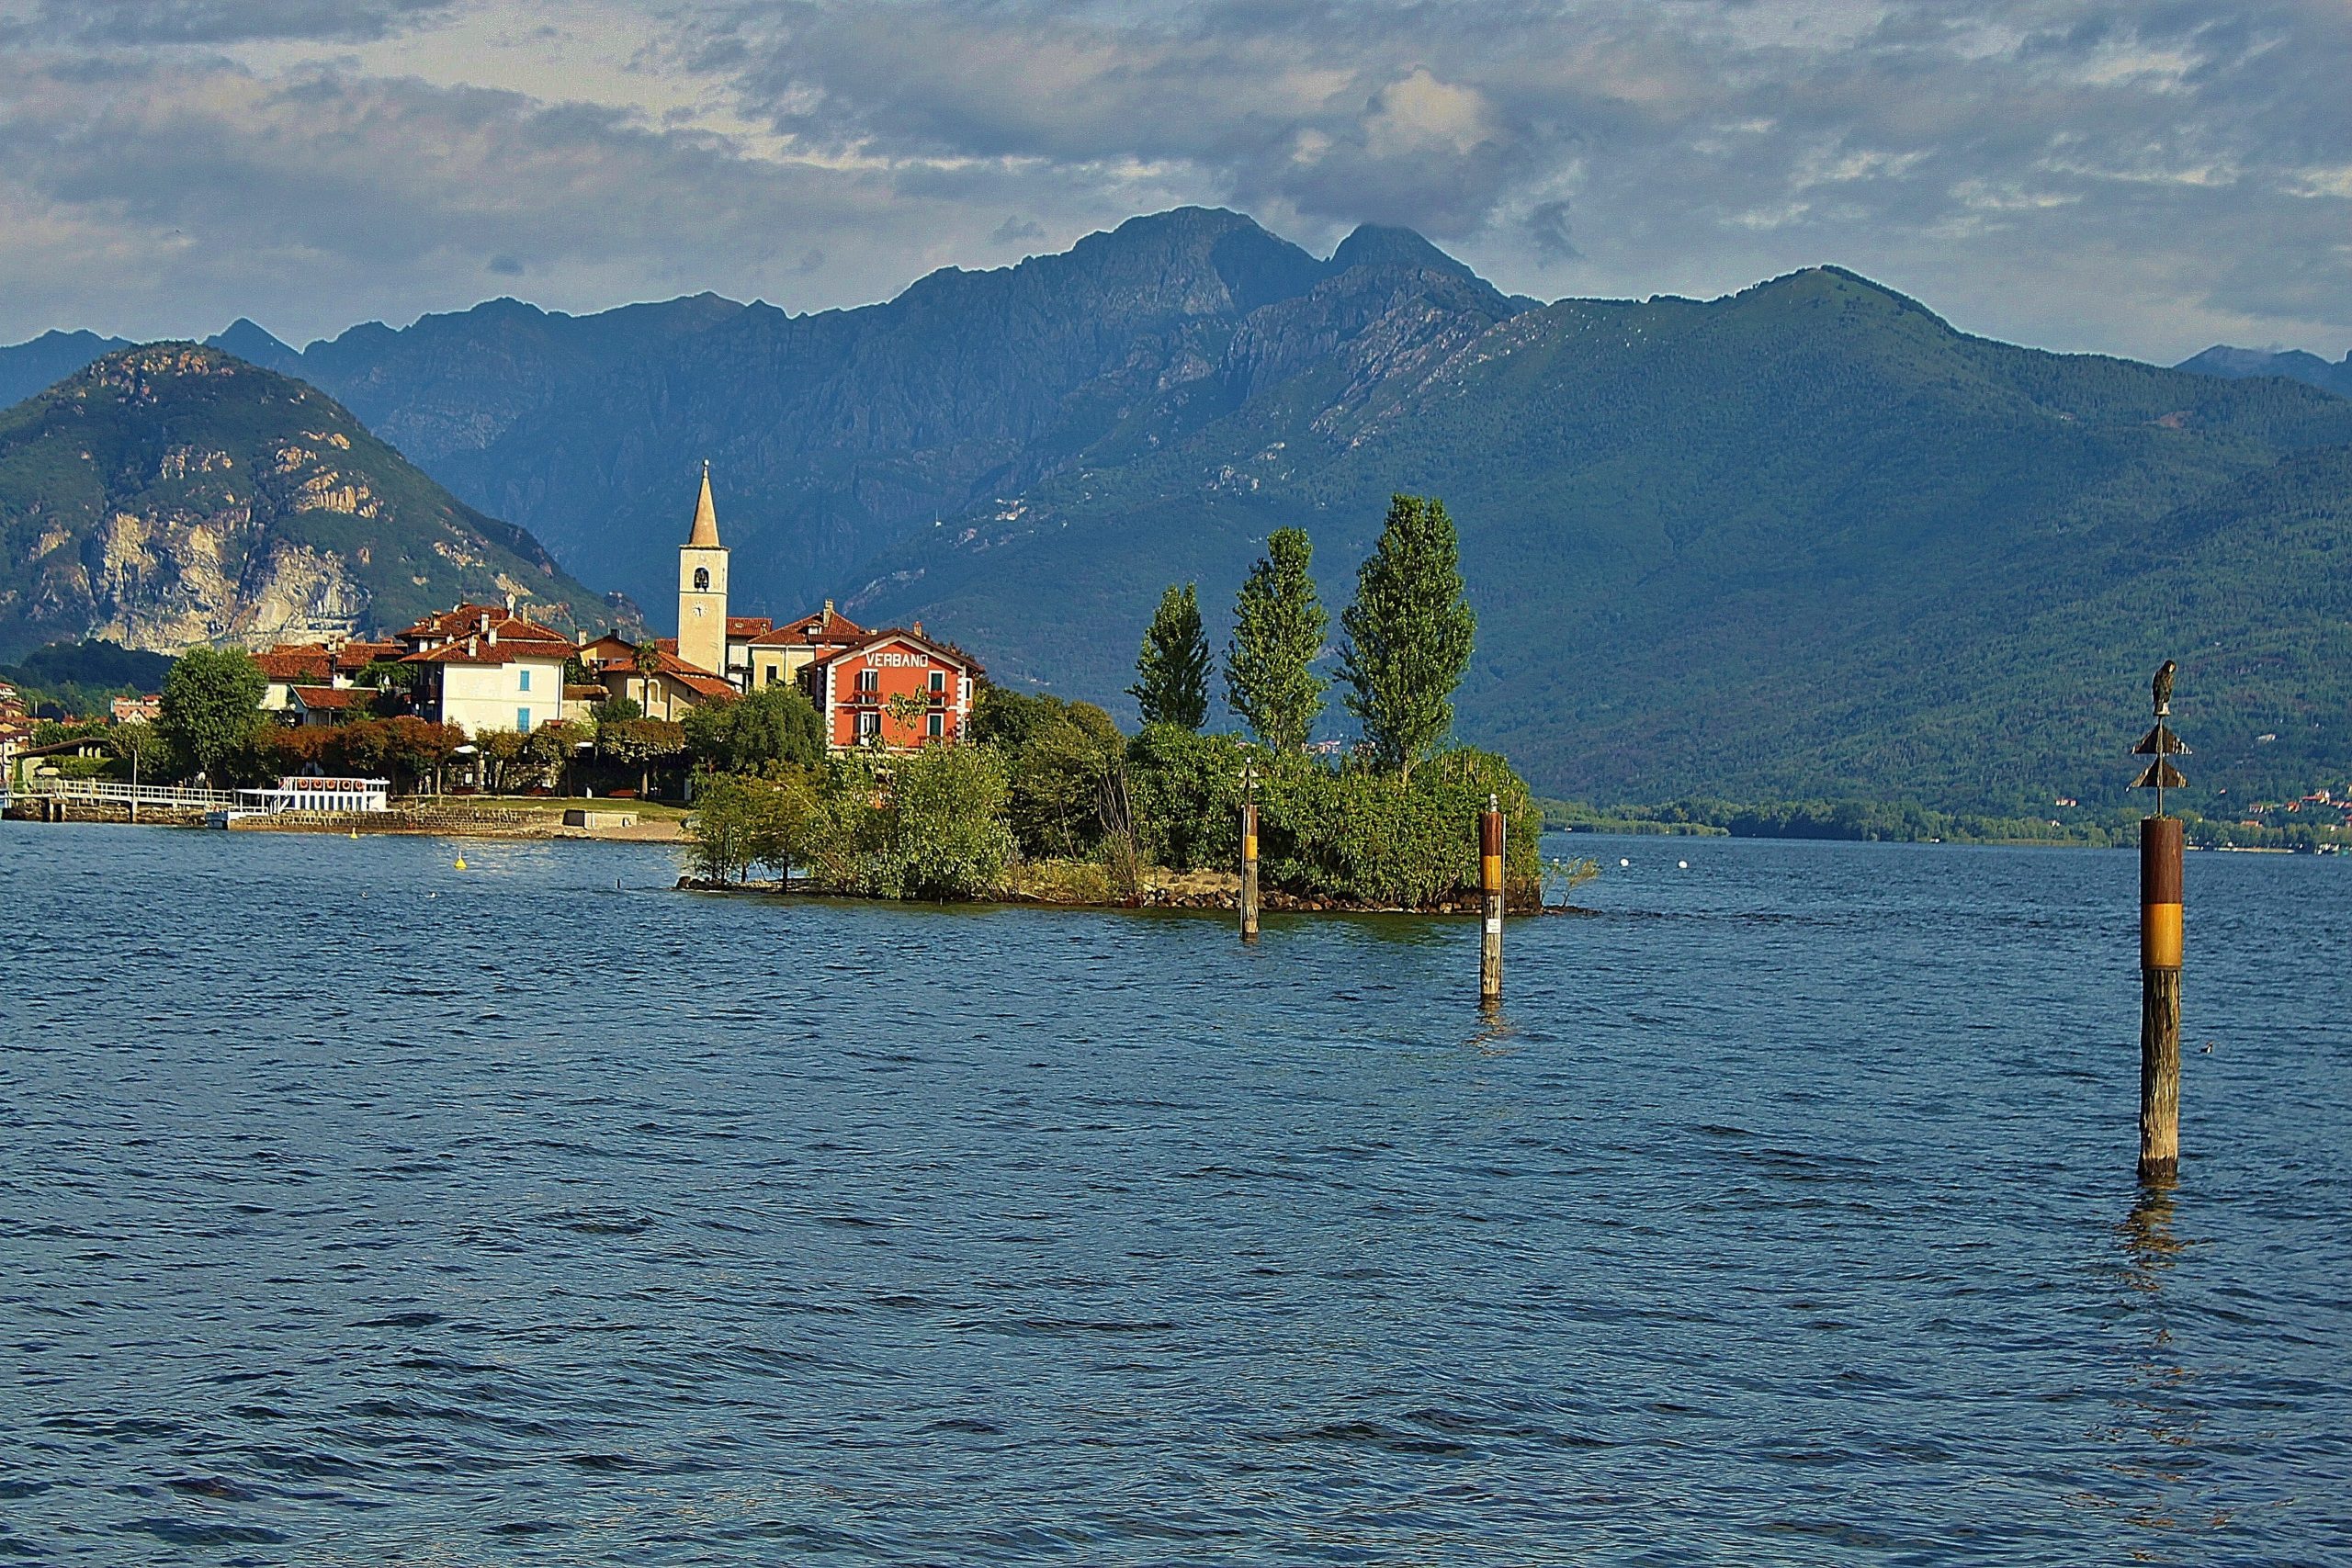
(705, 530)
(702, 588)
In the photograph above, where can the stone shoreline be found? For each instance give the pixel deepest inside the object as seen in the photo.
(1172, 894)
(482, 823)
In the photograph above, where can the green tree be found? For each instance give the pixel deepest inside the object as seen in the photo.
(499, 754)
(641, 741)
(1278, 625)
(1410, 634)
(773, 726)
(418, 748)
(1061, 778)
(212, 702)
(742, 822)
(941, 832)
(616, 710)
(143, 750)
(1172, 671)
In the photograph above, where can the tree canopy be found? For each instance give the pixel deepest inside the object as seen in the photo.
(1172, 671)
(1410, 634)
(769, 727)
(211, 700)
(1278, 625)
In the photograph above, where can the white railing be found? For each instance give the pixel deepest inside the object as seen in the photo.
(114, 791)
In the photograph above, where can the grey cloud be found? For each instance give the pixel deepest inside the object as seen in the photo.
(506, 266)
(189, 193)
(2141, 178)
(1547, 230)
(218, 22)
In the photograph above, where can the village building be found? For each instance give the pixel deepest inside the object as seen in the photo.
(503, 672)
(27, 762)
(778, 655)
(486, 668)
(327, 705)
(335, 663)
(144, 709)
(894, 688)
(661, 684)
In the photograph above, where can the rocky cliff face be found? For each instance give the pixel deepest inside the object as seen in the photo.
(172, 494)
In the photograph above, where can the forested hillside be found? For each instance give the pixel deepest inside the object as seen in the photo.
(1801, 541)
(174, 494)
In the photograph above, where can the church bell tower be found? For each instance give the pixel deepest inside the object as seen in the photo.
(702, 588)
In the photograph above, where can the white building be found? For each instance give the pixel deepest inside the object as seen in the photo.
(486, 681)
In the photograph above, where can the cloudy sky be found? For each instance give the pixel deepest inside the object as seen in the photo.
(2138, 178)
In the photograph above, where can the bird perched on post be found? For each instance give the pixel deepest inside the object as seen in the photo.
(2163, 687)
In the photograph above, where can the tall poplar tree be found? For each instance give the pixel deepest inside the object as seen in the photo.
(1410, 634)
(1278, 627)
(1172, 671)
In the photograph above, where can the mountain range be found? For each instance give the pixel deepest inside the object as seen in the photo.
(1806, 539)
(174, 494)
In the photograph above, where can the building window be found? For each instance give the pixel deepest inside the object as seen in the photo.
(702, 580)
(525, 676)
(869, 679)
(523, 720)
(774, 675)
(939, 680)
(938, 724)
(869, 724)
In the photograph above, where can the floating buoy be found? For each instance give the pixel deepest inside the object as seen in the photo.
(461, 863)
(355, 832)
(1682, 864)
(1622, 860)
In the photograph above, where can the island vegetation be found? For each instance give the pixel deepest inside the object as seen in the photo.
(1052, 799)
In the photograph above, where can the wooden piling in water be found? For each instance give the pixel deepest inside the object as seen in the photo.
(2160, 953)
(1250, 872)
(1490, 899)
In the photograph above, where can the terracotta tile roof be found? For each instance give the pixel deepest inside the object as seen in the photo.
(468, 620)
(622, 658)
(295, 661)
(574, 693)
(325, 697)
(824, 626)
(354, 657)
(612, 652)
(945, 652)
(747, 625)
(474, 649)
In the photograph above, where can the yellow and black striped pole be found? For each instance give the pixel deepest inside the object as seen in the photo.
(1490, 899)
(1250, 871)
(2160, 934)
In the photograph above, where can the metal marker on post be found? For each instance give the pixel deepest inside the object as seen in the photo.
(1249, 852)
(2160, 947)
(1491, 890)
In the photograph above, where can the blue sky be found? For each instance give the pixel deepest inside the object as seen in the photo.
(2143, 179)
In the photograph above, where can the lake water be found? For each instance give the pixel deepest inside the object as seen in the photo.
(355, 1209)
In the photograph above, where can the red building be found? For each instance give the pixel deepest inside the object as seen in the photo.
(854, 686)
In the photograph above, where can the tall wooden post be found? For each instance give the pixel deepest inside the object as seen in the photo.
(2160, 910)
(2160, 943)
(1490, 889)
(1250, 871)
